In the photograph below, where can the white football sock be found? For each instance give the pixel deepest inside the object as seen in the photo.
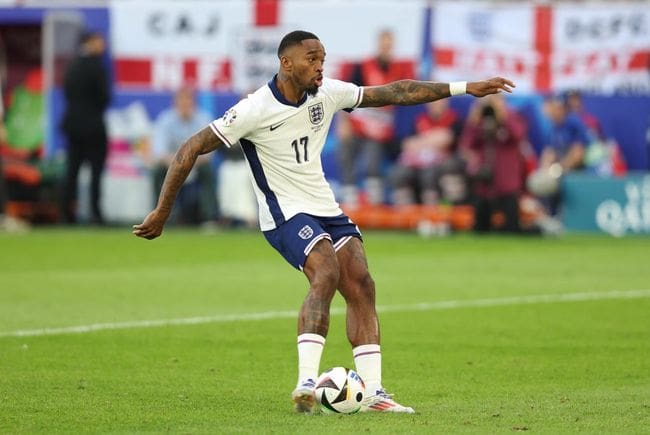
(310, 349)
(367, 359)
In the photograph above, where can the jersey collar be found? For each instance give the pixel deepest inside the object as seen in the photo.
(278, 95)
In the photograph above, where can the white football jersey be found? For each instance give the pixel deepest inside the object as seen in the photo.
(282, 143)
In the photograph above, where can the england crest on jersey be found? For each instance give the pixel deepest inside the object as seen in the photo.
(316, 113)
(306, 232)
(229, 117)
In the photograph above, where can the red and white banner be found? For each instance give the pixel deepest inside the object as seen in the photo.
(596, 47)
(477, 40)
(162, 44)
(232, 44)
(602, 47)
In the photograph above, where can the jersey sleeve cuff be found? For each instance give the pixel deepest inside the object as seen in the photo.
(359, 97)
(220, 135)
(357, 100)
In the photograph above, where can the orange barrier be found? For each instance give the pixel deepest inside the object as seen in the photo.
(458, 218)
(33, 211)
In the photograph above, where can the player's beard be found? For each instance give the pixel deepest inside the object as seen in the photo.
(312, 90)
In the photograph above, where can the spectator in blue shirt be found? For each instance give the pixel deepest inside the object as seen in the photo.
(171, 129)
(565, 147)
(567, 139)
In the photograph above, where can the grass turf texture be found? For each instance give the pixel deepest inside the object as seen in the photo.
(546, 367)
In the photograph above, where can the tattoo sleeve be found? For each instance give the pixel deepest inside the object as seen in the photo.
(404, 93)
(202, 142)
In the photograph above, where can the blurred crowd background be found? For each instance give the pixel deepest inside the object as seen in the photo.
(96, 96)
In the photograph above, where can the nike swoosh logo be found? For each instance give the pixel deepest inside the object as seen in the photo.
(273, 127)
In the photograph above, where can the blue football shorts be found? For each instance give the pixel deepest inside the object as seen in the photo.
(295, 238)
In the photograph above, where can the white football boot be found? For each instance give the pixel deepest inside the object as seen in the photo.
(303, 397)
(381, 401)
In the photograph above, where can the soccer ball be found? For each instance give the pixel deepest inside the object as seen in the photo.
(545, 182)
(339, 391)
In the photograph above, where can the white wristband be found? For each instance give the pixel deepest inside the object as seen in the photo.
(458, 88)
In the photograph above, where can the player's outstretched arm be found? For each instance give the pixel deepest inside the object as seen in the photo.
(201, 143)
(409, 92)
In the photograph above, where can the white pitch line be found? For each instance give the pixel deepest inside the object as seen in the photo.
(266, 315)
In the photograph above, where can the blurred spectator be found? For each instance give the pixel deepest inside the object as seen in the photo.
(7, 223)
(428, 157)
(567, 137)
(237, 201)
(603, 155)
(491, 143)
(3, 186)
(198, 197)
(87, 94)
(3, 140)
(564, 150)
(574, 104)
(369, 133)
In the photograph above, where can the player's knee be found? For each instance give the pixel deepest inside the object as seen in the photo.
(322, 268)
(329, 277)
(326, 279)
(361, 290)
(367, 287)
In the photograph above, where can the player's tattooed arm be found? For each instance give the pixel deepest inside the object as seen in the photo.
(409, 92)
(200, 143)
(403, 93)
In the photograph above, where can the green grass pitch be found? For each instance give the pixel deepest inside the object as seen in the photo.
(509, 363)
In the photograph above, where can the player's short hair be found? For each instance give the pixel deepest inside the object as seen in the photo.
(294, 38)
